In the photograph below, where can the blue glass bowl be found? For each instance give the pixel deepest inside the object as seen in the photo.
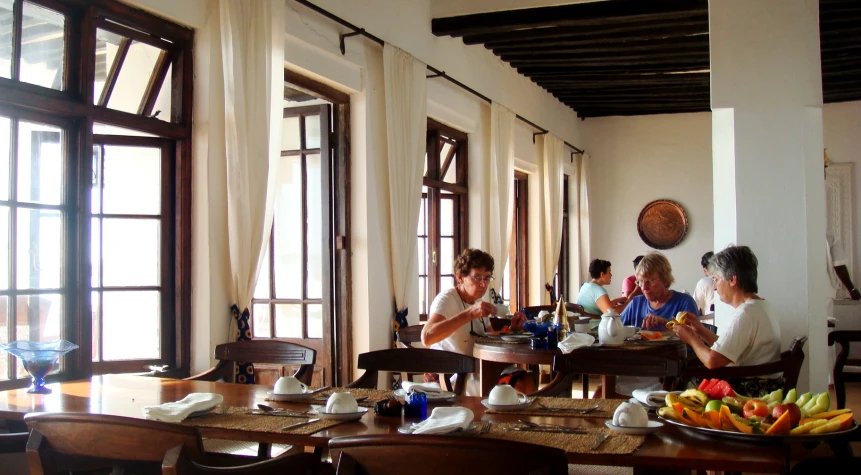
(39, 359)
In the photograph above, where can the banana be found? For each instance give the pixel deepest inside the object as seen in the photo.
(695, 396)
(673, 399)
(680, 319)
(668, 413)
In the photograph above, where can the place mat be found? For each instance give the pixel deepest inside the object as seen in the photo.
(238, 418)
(616, 444)
(373, 395)
(606, 407)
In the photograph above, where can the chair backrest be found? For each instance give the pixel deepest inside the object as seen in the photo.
(425, 455)
(13, 443)
(65, 441)
(260, 351)
(177, 461)
(620, 362)
(844, 338)
(789, 364)
(411, 334)
(414, 360)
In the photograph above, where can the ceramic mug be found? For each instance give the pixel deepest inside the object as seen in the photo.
(289, 385)
(629, 331)
(341, 403)
(582, 325)
(505, 395)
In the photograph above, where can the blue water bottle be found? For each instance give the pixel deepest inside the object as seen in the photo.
(416, 405)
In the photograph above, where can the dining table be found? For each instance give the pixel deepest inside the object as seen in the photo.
(665, 451)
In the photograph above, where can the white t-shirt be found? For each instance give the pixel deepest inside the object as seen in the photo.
(448, 304)
(752, 336)
(704, 295)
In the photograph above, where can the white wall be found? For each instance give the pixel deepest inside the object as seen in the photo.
(635, 160)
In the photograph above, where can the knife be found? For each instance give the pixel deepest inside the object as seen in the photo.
(299, 424)
(558, 430)
(598, 441)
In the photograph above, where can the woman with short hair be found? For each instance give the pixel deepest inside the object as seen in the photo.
(592, 296)
(658, 304)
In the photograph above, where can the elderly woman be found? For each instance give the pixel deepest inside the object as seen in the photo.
(457, 315)
(592, 296)
(658, 304)
(752, 336)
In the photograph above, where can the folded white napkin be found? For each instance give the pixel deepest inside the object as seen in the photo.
(179, 410)
(444, 420)
(650, 398)
(421, 387)
(574, 341)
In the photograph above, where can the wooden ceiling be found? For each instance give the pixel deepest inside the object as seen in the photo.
(637, 57)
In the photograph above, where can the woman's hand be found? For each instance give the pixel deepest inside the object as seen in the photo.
(619, 301)
(481, 309)
(653, 321)
(685, 332)
(517, 321)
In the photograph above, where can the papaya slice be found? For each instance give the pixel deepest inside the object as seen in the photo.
(741, 424)
(726, 419)
(712, 419)
(781, 426)
(845, 420)
(691, 418)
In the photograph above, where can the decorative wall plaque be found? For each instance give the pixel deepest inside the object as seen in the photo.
(662, 224)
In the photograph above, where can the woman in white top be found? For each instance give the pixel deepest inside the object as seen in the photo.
(752, 336)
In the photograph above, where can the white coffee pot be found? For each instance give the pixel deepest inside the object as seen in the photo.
(610, 330)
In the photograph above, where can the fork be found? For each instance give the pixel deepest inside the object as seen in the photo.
(224, 409)
(485, 428)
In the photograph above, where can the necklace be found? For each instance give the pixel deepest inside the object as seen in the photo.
(472, 321)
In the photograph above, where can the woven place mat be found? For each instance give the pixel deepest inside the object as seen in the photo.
(606, 407)
(238, 418)
(373, 395)
(617, 444)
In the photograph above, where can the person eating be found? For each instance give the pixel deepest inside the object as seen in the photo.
(658, 304)
(592, 296)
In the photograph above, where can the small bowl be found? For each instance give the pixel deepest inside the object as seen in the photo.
(498, 323)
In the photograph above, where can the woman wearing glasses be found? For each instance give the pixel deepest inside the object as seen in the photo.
(658, 304)
(458, 314)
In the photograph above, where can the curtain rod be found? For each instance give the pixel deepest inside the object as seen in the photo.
(437, 73)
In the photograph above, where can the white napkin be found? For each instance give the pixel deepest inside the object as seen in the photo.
(574, 341)
(421, 387)
(179, 410)
(650, 398)
(444, 420)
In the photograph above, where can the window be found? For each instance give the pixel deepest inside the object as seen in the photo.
(95, 185)
(515, 278)
(442, 228)
(560, 283)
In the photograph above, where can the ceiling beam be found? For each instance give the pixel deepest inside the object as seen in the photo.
(600, 81)
(648, 29)
(615, 61)
(555, 72)
(662, 53)
(581, 14)
(607, 113)
(698, 42)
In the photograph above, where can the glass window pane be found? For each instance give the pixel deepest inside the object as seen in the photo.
(40, 163)
(131, 325)
(261, 290)
(290, 134)
(5, 154)
(315, 228)
(39, 317)
(423, 255)
(425, 172)
(39, 249)
(312, 131)
(423, 291)
(42, 46)
(446, 282)
(422, 215)
(161, 109)
(131, 252)
(288, 321)
(5, 63)
(451, 173)
(96, 181)
(315, 321)
(132, 180)
(4, 334)
(107, 45)
(446, 253)
(288, 230)
(446, 217)
(134, 77)
(95, 252)
(4, 245)
(260, 324)
(105, 129)
(95, 299)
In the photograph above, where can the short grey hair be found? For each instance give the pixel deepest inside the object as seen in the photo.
(656, 263)
(738, 261)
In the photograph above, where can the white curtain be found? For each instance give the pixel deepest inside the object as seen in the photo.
(551, 173)
(252, 67)
(583, 211)
(406, 127)
(500, 183)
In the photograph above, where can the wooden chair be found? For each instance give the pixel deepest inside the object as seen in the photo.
(433, 454)
(259, 351)
(789, 364)
(846, 370)
(178, 461)
(13, 458)
(415, 360)
(411, 334)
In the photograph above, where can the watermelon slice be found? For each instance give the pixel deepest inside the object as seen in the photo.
(722, 389)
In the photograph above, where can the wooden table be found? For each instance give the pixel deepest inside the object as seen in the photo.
(124, 395)
(494, 357)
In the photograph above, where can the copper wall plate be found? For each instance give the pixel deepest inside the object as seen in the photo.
(662, 224)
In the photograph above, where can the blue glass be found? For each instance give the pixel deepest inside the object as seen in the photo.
(551, 338)
(39, 359)
(537, 328)
(416, 405)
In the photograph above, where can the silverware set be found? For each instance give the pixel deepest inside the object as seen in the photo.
(299, 424)
(599, 440)
(528, 426)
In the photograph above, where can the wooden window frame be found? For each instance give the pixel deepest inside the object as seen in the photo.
(519, 244)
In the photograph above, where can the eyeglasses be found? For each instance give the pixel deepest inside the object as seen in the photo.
(716, 278)
(649, 282)
(480, 280)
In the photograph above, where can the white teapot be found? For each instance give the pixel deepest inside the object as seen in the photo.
(610, 330)
(629, 414)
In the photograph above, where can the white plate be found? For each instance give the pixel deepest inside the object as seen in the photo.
(339, 416)
(408, 429)
(652, 427)
(524, 403)
(441, 396)
(288, 397)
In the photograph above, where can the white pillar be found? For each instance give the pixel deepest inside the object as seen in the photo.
(769, 191)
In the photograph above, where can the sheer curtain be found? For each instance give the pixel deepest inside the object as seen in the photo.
(252, 59)
(406, 127)
(500, 183)
(551, 171)
(583, 218)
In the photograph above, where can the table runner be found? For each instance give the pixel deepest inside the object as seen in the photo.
(373, 395)
(618, 444)
(238, 418)
(606, 407)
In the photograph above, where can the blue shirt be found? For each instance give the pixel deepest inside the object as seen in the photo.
(636, 311)
(588, 297)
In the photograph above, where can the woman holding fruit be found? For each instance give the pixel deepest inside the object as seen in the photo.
(753, 334)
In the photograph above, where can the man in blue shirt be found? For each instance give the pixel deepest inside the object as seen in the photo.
(658, 304)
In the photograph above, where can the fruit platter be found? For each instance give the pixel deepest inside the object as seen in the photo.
(715, 409)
